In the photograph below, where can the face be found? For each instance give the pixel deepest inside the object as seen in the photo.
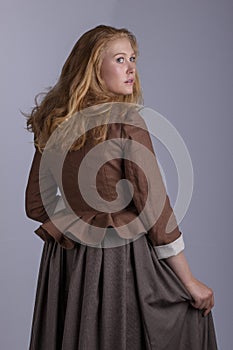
(119, 67)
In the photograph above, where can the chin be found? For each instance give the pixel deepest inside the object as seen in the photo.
(127, 92)
(124, 93)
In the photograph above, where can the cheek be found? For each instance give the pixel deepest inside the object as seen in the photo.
(117, 71)
(110, 72)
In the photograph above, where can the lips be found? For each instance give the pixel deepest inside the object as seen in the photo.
(129, 81)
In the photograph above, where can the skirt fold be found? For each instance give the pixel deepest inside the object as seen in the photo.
(120, 298)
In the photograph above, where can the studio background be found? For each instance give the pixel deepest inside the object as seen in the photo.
(186, 69)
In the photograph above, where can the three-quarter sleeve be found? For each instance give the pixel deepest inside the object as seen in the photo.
(40, 202)
(149, 193)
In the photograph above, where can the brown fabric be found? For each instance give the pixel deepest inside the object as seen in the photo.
(148, 188)
(120, 298)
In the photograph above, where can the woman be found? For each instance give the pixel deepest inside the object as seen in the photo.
(139, 293)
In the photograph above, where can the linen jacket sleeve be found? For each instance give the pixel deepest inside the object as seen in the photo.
(34, 205)
(36, 208)
(149, 192)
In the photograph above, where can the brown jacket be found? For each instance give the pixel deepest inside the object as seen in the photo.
(147, 208)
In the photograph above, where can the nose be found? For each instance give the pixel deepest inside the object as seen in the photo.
(131, 67)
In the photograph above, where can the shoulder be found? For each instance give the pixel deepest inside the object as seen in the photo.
(133, 114)
(134, 125)
(134, 121)
(134, 128)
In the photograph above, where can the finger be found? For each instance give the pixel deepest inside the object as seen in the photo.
(210, 304)
(197, 304)
(202, 306)
(206, 303)
(206, 311)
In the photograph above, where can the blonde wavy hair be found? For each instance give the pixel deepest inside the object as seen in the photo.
(80, 86)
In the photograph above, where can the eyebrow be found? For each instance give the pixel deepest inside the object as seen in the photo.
(123, 53)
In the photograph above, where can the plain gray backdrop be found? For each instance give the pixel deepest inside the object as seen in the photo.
(186, 69)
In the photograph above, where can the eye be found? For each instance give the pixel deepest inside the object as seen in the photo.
(132, 59)
(120, 59)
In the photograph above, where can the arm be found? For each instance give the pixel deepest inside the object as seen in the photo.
(42, 202)
(149, 196)
(168, 246)
(34, 205)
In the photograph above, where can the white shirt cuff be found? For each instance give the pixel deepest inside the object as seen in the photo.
(60, 205)
(171, 249)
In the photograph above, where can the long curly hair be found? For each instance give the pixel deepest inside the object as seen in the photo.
(80, 86)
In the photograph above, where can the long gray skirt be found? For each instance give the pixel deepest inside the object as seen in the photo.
(120, 298)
